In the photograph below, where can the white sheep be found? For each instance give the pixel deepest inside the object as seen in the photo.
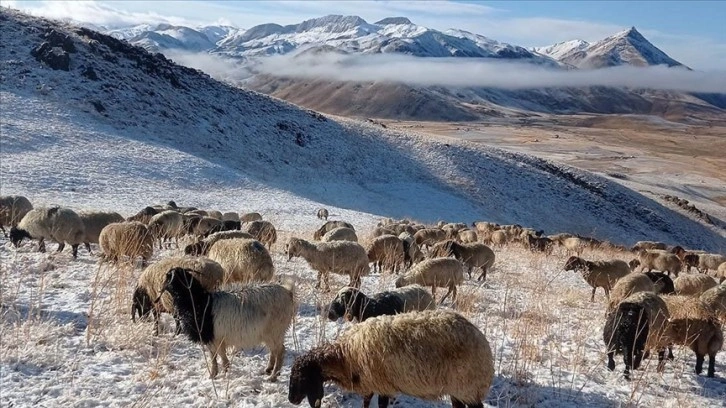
(205, 225)
(217, 215)
(715, 299)
(249, 217)
(263, 231)
(231, 216)
(426, 355)
(660, 261)
(94, 222)
(693, 285)
(598, 274)
(12, 210)
(202, 247)
(707, 262)
(645, 245)
(438, 272)
(340, 234)
(328, 226)
(61, 225)
(146, 297)
(467, 236)
(429, 236)
(473, 255)
(339, 257)
(628, 285)
(166, 225)
(128, 238)
(243, 260)
(242, 318)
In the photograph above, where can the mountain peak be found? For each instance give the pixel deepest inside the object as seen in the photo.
(332, 23)
(393, 21)
(631, 33)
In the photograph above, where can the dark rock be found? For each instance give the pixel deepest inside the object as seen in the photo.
(99, 106)
(54, 57)
(57, 39)
(90, 73)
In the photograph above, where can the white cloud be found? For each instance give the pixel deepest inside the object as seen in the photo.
(460, 72)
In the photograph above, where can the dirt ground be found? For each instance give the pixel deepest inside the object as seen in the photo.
(646, 153)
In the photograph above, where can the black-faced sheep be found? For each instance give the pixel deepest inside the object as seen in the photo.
(598, 274)
(12, 210)
(387, 253)
(152, 280)
(693, 285)
(243, 260)
(243, 318)
(202, 247)
(354, 305)
(130, 238)
(263, 231)
(340, 234)
(438, 272)
(638, 324)
(322, 214)
(426, 355)
(693, 324)
(94, 222)
(339, 257)
(662, 282)
(61, 225)
(474, 255)
(328, 226)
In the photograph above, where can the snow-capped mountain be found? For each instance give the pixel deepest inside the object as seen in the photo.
(348, 33)
(627, 47)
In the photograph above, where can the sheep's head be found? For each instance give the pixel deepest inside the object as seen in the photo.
(292, 248)
(194, 249)
(634, 263)
(691, 260)
(306, 380)
(401, 281)
(344, 302)
(141, 303)
(17, 235)
(574, 263)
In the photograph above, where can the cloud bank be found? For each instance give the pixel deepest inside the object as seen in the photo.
(461, 72)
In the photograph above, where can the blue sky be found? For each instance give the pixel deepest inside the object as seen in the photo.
(689, 31)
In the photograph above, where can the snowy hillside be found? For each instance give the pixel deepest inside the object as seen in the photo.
(627, 47)
(117, 128)
(116, 93)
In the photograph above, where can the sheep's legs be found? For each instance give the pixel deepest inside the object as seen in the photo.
(483, 274)
(88, 247)
(61, 245)
(661, 361)
(213, 353)
(452, 290)
(699, 363)
(74, 250)
(592, 297)
(274, 366)
(711, 365)
(611, 361)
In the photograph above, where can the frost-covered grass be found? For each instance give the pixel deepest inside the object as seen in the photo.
(67, 338)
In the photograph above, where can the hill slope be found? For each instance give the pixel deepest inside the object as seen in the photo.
(138, 122)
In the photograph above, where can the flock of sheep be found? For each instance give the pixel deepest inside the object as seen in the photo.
(219, 293)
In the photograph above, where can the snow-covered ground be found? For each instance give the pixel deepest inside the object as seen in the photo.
(168, 133)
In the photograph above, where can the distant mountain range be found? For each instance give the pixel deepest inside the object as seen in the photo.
(398, 35)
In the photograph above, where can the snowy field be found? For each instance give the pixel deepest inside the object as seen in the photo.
(67, 337)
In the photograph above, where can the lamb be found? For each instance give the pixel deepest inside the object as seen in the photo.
(354, 305)
(628, 285)
(694, 325)
(339, 257)
(340, 234)
(144, 216)
(12, 210)
(441, 272)
(426, 355)
(328, 226)
(638, 324)
(474, 255)
(250, 217)
(62, 225)
(663, 283)
(598, 274)
(151, 284)
(243, 260)
(166, 225)
(128, 238)
(411, 252)
(715, 299)
(693, 285)
(387, 251)
(645, 245)
(244, 318)
(202, 247)
(660, 261)
(429, 236)
(322, 214)
(263, 231)
(94, 222)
